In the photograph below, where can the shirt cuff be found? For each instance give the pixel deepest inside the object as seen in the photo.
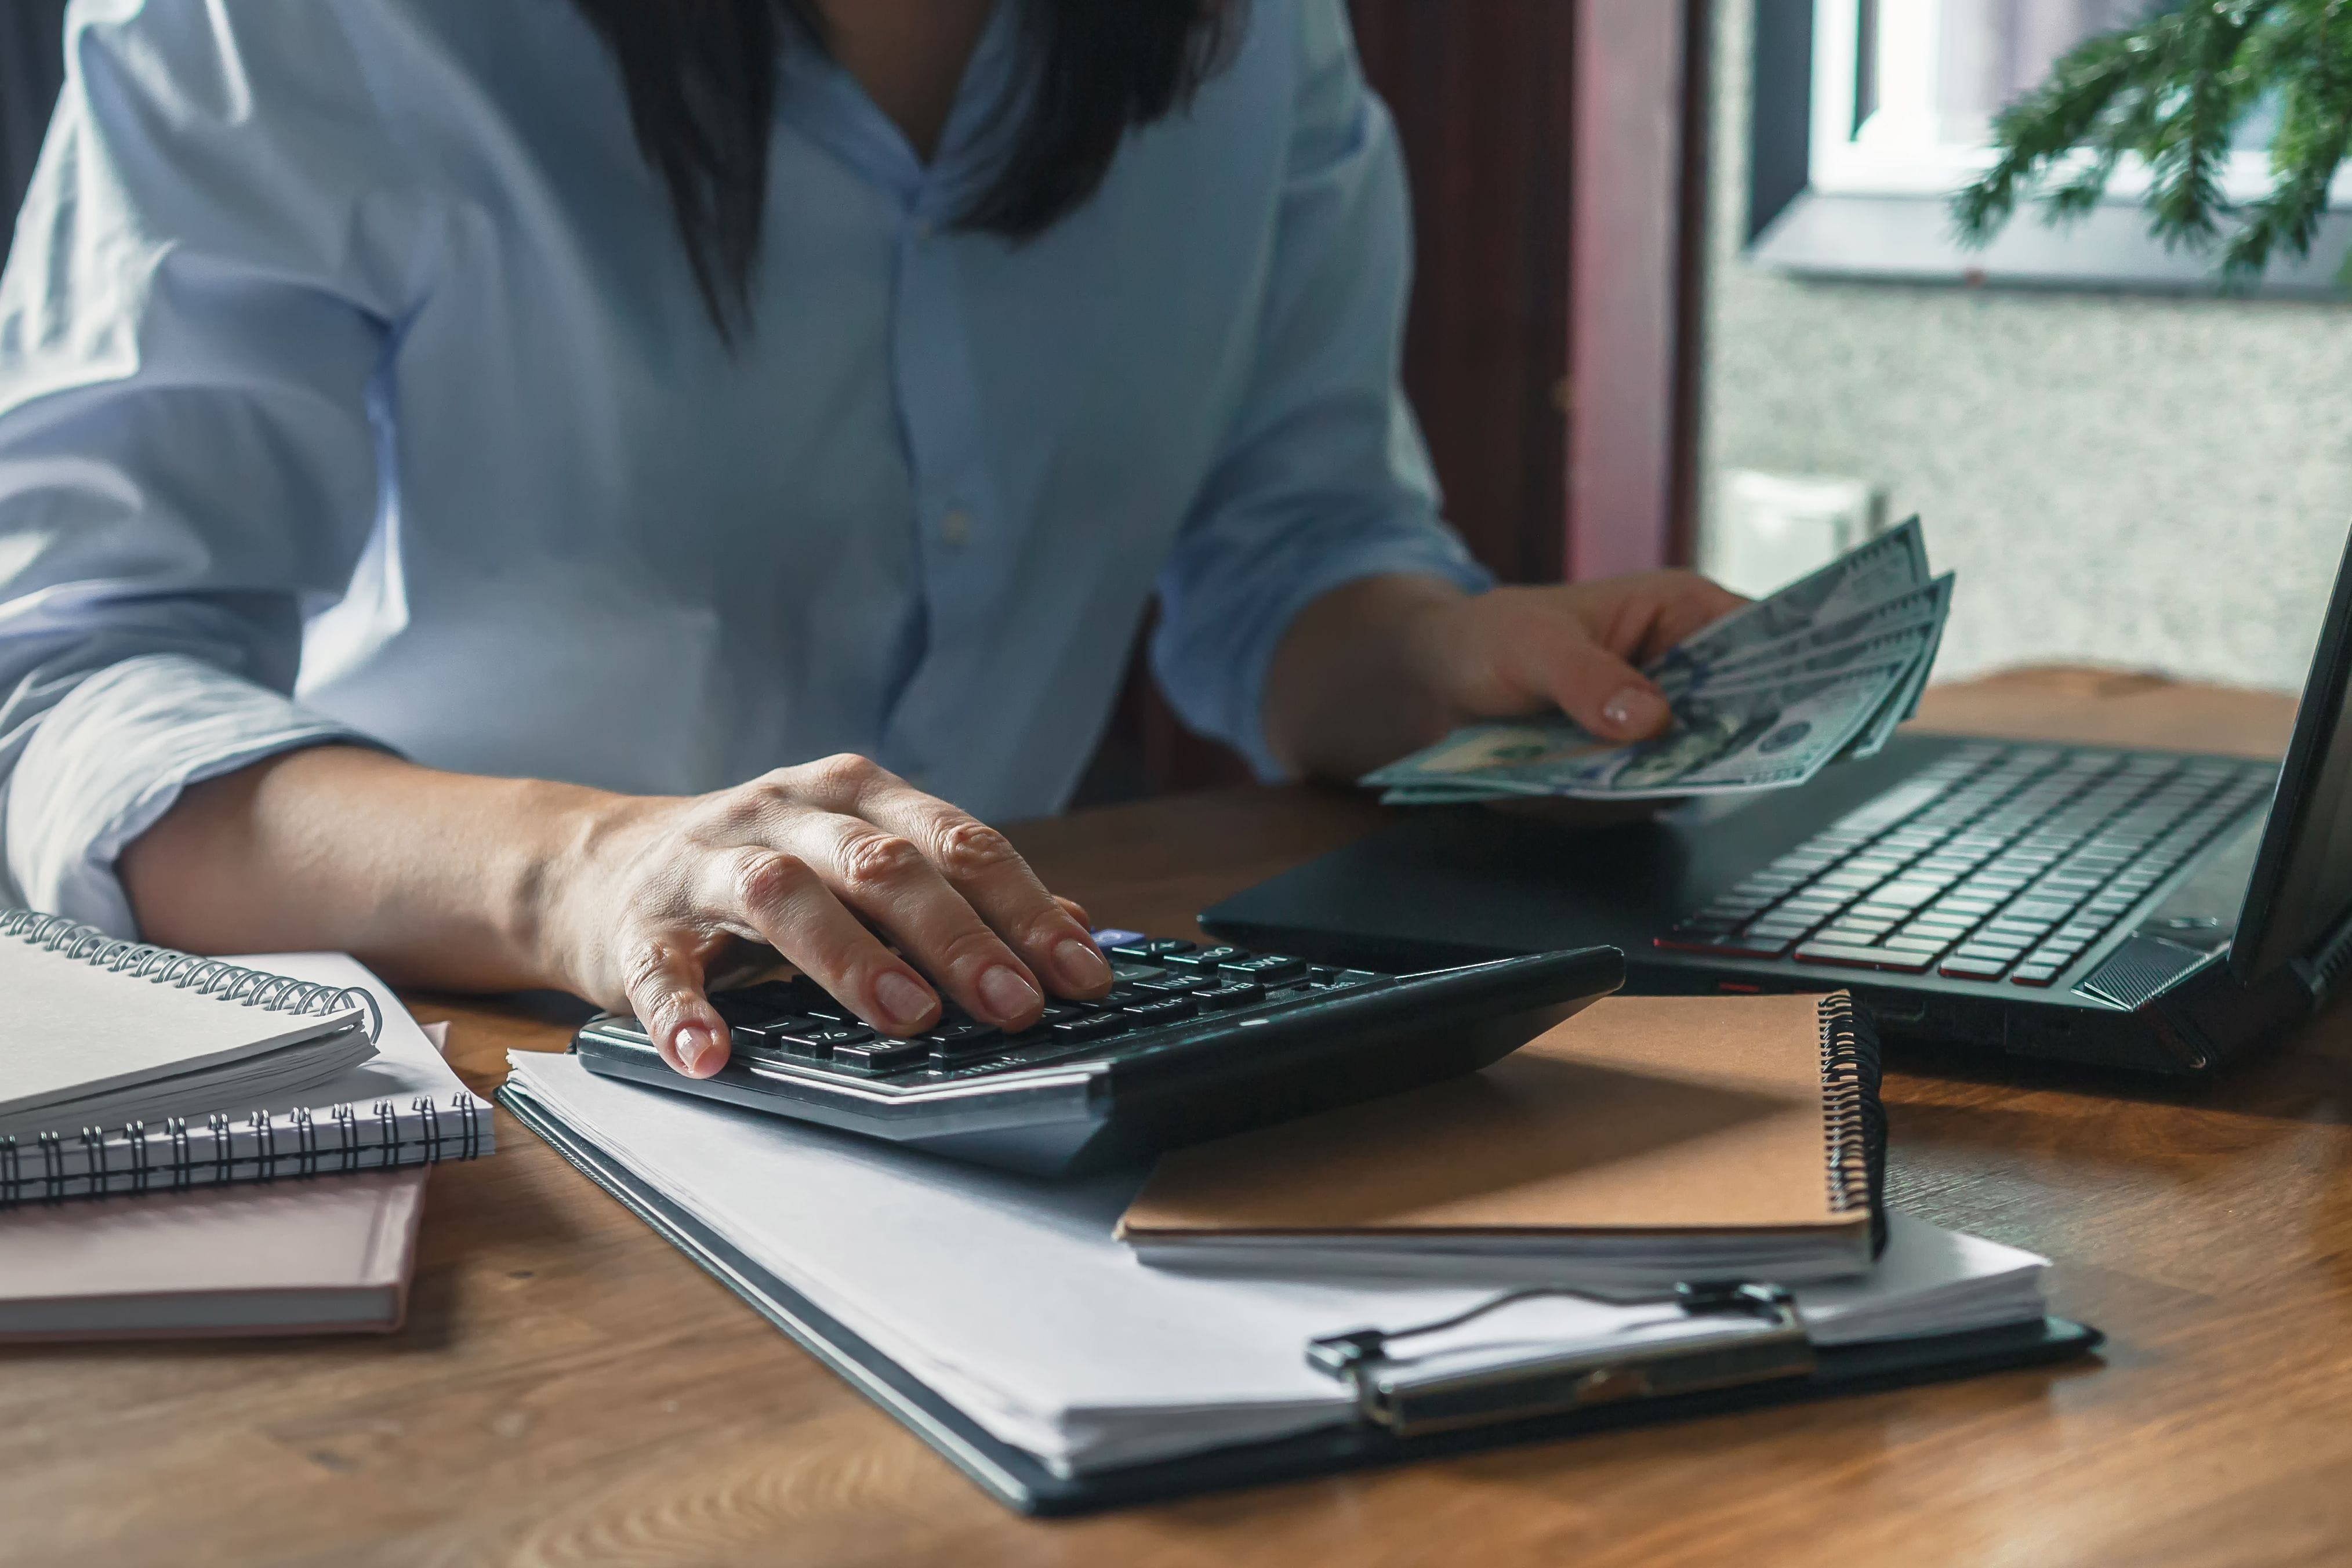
(1438, 555)
(107, 762)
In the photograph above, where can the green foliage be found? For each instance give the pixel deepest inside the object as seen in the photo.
(2172, 91)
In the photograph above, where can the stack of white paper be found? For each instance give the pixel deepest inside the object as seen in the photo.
(1009, 1296)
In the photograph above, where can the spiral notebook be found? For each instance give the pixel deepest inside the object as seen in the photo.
(1644, 1141)
(396, 1104)
(103, 1031)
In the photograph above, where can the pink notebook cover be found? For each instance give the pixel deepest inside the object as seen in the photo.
(327, 1255)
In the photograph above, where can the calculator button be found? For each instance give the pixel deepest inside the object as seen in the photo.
(1204, 957)
(882, 1055)
(821, 1039)
(1267, 966)
(1232, 993)
(1153, 947)
(1160, 1010)
(960, 1040)
(770, 1030)
(1176, 985)
(757, 1003)
(745, 1042)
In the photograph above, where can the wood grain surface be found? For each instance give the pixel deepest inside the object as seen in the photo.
(568, 1390)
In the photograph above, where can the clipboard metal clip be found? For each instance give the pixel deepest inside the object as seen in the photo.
(1407, 1402)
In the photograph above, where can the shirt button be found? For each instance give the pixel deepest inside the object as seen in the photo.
(956, 527)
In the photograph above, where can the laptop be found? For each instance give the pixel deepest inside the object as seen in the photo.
(2161, 911)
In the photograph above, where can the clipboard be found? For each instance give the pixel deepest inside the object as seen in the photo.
(1398, 1421)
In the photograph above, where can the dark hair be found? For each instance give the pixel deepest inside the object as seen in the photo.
(701, 76)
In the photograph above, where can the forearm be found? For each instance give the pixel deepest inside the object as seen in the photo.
(1354, 683)
(430, 877)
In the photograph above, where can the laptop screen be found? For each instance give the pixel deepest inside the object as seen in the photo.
(2302, 883)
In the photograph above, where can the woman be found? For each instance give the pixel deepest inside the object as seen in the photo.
(408, 404)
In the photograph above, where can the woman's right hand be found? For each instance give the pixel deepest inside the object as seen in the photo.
(654, 898)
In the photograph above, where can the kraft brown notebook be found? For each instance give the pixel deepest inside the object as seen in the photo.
(1645, 1142)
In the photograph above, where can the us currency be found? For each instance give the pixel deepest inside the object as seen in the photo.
(1770, 735)
(1856, 638)
(1905, 647)
(1887, 565)
(1861, 640)
(1905, 702)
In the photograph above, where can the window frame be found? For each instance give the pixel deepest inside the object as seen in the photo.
(1821, 206)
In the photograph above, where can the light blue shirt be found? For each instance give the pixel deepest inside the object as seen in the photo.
(353, 384)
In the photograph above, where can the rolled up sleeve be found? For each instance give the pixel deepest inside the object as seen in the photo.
(1324, 478)
(191, 318)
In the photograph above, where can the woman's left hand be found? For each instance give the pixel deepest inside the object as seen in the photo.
(1384, 666)
(1575, 646)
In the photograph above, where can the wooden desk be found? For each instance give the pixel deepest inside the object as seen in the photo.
(569, 1390)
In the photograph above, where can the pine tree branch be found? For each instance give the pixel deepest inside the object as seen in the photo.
(2310, 54)
(2210, 98)
(2171, 92)
(2042, 126)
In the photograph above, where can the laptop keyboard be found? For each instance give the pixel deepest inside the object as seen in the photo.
(2000, 863)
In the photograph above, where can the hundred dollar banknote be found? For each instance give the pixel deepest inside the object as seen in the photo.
(1772, 734)
(1887, 565)
(1926, 606)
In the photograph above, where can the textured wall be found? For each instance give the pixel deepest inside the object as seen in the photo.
(2164, 484)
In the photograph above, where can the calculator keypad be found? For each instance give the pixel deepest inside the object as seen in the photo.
(1159, 982)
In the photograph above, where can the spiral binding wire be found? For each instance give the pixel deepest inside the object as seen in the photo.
(1855, 1120)
(129, 1159)
(185, 972)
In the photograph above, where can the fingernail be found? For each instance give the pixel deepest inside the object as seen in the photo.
(1080, 965)
(1008, 996)
(692, 1042)
(902, 1002)
(1634, 711)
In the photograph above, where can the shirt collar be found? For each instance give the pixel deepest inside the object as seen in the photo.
(823, 101)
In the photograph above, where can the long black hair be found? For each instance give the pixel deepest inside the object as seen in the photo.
(701, 78)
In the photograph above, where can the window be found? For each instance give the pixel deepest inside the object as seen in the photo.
(1890, 105)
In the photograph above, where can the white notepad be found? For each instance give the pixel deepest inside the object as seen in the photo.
(96, 1034)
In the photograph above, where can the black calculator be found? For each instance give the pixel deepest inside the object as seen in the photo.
(1192, 1042)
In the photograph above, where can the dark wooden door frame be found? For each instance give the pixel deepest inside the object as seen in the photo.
(1637, 252)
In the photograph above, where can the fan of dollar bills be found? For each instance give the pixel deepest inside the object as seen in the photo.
(1821, 672)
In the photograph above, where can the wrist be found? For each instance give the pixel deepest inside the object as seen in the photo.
(1431, 646)
(567, 854)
